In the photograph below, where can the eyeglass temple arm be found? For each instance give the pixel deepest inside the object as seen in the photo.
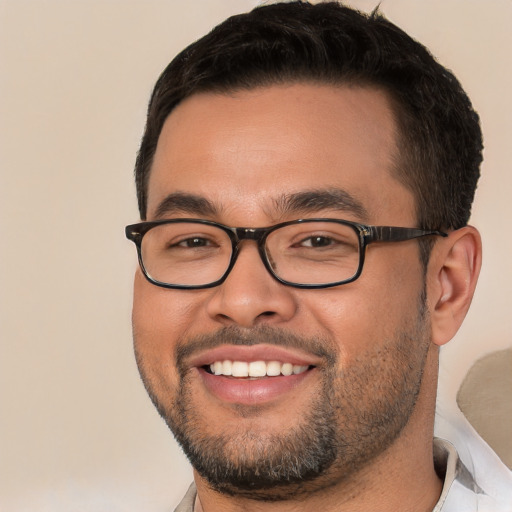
(394, 234)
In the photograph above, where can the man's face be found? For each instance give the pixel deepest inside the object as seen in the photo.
(249, 159)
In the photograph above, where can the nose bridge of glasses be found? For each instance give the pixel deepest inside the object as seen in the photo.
(250, 233)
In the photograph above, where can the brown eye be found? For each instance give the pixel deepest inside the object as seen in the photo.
(194, 242)
(317, 241)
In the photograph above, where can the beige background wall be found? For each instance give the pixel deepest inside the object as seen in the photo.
(77, 432)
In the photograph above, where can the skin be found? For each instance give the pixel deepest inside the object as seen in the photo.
(242, 152)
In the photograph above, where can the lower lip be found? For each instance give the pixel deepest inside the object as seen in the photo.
(246, 391)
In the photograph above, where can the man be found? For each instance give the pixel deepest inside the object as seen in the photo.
(305, 182)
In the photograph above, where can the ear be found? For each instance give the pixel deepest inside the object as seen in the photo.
(453, 271)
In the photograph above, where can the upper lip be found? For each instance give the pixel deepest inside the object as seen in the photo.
(260, 352)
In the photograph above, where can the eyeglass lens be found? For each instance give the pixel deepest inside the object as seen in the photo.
(192, 254)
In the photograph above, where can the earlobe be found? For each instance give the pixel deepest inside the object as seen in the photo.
(452, 276)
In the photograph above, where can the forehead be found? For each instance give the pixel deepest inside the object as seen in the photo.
(246, 151)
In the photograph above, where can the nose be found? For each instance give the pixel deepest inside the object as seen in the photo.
(250, 295)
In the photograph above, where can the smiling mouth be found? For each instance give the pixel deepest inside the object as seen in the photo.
(254, 369)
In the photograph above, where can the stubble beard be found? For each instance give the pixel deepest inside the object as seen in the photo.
(358, 412)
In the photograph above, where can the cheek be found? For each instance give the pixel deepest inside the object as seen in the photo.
(159, 310)
(372, 310)
(160, 317)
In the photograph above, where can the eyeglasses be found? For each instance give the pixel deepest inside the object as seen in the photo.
(304, 253)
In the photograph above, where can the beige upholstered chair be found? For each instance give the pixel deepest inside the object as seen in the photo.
(485, 398)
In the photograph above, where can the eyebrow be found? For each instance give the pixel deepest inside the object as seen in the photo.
(184, 203)
(304, 202)
(312, 201)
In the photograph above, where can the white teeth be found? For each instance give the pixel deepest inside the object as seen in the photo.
(273, 368)
(255, 368)
(240, 369)
(287, 369)
(217, 368)
(226, 367)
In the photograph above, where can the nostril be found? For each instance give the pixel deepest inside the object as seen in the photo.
(267, 313)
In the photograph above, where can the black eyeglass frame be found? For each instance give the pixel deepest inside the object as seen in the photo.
(366, 235)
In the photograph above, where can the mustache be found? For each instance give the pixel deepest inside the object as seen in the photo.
(234, 335)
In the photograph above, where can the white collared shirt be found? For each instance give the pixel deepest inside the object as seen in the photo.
(461, 493)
